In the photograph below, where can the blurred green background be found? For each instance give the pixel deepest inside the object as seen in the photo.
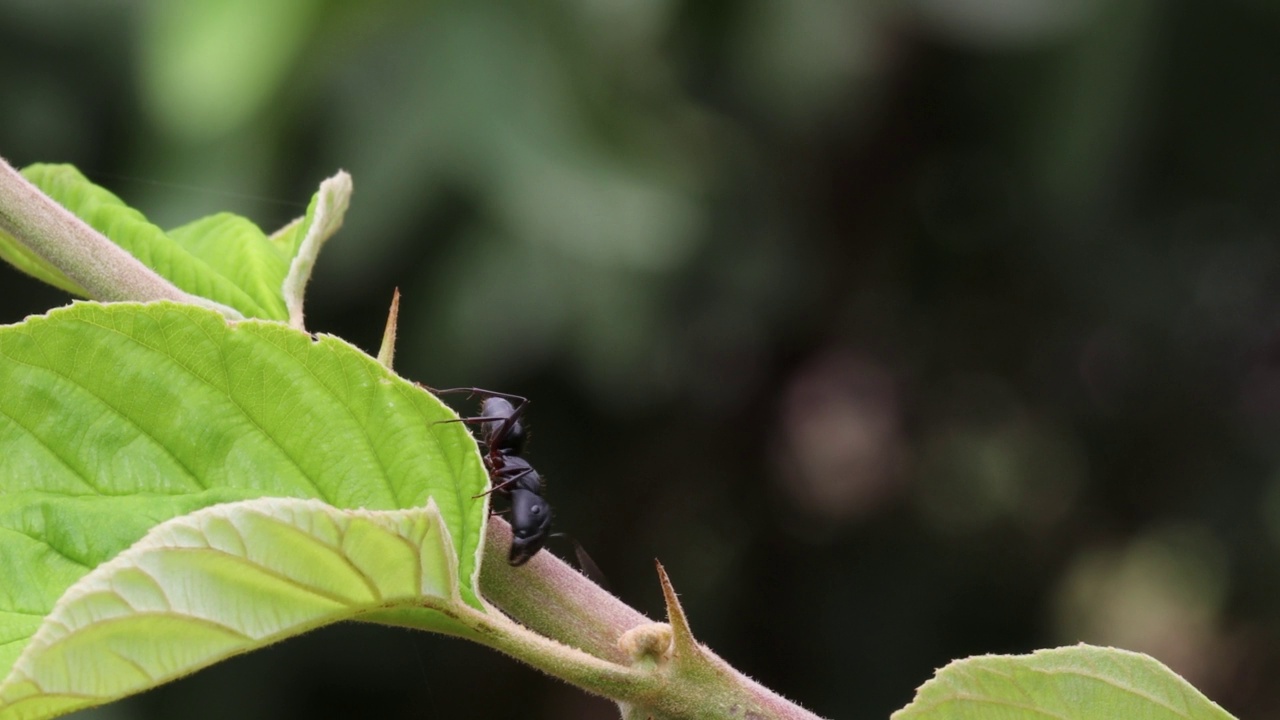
(898, 331)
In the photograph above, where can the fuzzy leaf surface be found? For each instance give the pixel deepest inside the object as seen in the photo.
(116, 418)
(237, 250)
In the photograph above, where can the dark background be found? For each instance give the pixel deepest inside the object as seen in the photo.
(899, 332)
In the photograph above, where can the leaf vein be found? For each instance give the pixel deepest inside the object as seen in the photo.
(43, 541)
(226, 391)
(1115, 683)
(266, 571)
(79, 474)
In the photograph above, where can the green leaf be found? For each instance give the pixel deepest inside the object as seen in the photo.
(226, 580)
(115, 418)
(127, 227)
(1073, 683)
(17, 255)
(237, 250)
(275, 270)
(223, 258)
(302, 239)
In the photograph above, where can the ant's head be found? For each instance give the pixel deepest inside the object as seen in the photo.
(530, 525)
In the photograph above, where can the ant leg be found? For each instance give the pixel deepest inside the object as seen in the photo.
(505, 483)
(517, 400)
(496, 488)
(518, 405)
(448, 391)
(469, 420)
(587, 565)
(504, 429)
(488, 445)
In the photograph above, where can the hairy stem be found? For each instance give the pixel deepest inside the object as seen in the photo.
(653, 670)
(553, 599)
(102, 268)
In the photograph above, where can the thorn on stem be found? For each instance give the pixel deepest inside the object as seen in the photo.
(387, 353)
(682, 641)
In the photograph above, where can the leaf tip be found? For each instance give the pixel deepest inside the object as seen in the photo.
(324, 217)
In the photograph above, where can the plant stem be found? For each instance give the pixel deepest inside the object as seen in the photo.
(103, 269)
(551, 598)
(651, 669)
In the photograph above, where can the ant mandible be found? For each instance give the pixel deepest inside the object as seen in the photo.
(502, 435)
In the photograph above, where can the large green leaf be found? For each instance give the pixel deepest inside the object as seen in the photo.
(116, 418)
(226, 580)
(1073, 683)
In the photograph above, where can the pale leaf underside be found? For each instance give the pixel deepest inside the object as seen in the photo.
(222, 581)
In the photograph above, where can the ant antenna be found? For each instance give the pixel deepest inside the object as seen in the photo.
(585, 563)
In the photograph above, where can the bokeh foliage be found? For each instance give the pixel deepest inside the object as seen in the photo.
(935, 328)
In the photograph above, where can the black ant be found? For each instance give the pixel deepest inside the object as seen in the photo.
(502, 437)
